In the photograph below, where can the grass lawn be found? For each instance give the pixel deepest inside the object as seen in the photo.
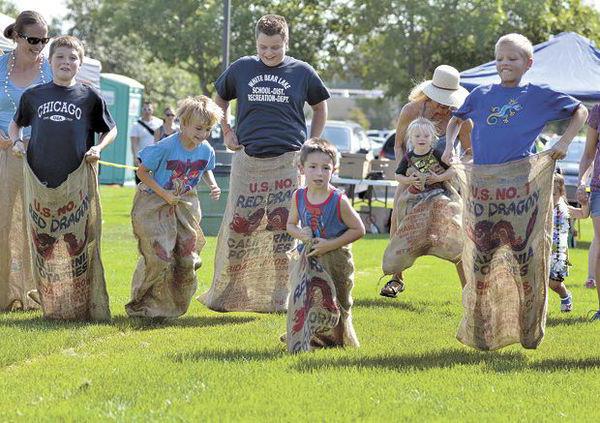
(211, 366)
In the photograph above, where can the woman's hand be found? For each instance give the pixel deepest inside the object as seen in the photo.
(5, 142)
(582, 196)
(19, 148)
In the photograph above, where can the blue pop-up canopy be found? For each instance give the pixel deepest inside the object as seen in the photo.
(568, 63)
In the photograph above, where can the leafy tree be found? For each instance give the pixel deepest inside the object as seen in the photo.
(398, 43)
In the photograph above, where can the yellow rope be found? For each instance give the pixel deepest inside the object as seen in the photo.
(120, 166)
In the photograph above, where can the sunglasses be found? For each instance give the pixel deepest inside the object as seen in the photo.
(34, 40)
(169, 115)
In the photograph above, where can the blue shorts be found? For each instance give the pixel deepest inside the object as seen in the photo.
(595, 204)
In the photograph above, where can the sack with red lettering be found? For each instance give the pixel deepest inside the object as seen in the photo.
(251, 259)
(15, 262)
(508, 225)
(319, 310)
(426, 223)
(169, 240)
(64, 230)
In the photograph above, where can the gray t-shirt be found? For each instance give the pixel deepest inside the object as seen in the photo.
(270, 102)
(63, 123)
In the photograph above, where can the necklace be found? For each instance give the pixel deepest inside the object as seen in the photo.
(7, 78)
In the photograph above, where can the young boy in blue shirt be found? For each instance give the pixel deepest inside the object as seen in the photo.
(509, 116)
(166, 212)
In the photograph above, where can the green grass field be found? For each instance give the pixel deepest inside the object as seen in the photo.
(211, 366)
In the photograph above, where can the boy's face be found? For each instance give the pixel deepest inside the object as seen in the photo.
(196, 131)
(511, 63)
(318, 169)
(65, 63)
(270, 48)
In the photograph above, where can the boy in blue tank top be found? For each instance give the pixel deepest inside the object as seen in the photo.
(328, 220)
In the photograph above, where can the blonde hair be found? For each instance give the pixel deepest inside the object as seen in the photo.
(518, 40)
(417, 94)
(422, 124)
(318, 145)
(199, 109)
(559, 183)
(68, 41)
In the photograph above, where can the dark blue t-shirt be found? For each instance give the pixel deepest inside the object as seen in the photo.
(507, 120)
(63, 121)
(270, 102)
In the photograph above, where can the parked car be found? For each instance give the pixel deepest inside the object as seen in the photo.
(569, 166)
(387, 150)
(347, 136)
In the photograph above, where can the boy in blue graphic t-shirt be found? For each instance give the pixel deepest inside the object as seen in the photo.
(166, 212)
(509, 116)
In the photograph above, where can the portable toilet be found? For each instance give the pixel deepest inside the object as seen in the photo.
(123, 97)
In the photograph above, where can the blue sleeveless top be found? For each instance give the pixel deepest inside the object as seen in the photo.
(7, 110)
(324, 219)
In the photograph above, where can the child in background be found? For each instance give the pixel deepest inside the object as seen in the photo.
(559, 259)
(166, 212)
(421, 169)
(328, 221)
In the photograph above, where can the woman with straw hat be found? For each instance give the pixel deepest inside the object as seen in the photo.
(433, 99)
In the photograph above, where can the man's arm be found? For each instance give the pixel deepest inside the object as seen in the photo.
(319, 118)
(229, 138)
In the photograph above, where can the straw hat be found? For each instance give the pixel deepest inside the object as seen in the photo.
(444, 88)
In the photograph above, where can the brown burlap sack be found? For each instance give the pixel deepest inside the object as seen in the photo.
(320, 301)
(251, 260)
(15, 261)
(426, 223)
(64, 228)
(508, 223)
(169, 240)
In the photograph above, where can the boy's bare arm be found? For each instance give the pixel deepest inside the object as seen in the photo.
(106, 138)
(304, 234)
(144, 174)
(559, 151)
(209, 179)
(134, 147)
(454, 125)
(356, 230)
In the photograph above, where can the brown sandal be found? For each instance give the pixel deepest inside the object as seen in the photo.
(392, 288)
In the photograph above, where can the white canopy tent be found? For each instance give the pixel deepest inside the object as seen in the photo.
(90, 69)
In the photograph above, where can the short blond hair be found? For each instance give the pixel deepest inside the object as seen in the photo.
(68, 41)
(199, 109)
(424, 125)
(518, 40)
